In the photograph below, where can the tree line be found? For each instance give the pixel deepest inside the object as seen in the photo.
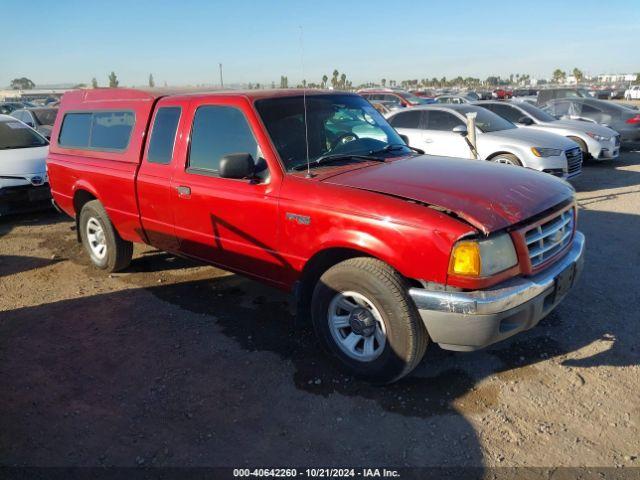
(339, 81)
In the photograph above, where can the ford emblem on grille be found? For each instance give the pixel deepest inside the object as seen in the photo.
(36, 181)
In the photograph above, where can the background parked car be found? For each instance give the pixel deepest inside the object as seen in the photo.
(483, 94)
(501, 93)
(553, 93)
(384, 107)
(7, 107)
(423, 93)
(24, 184)
(632, 93)
(617, 93)
(525, 92)
(41, 119)
(622, 119)
(400, 97)
(455, 99)
(441, 130)
(595, 141)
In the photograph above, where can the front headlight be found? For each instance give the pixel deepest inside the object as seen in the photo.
(546, 152)
(598, 138)
(483, 258)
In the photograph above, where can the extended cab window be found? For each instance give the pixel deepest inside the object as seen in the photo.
(218, 131)
(163, 135)
(111, 130)
(97, 130)
(75, 130)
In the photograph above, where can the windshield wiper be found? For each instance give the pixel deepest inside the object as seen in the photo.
(395, 146)
(336, 157)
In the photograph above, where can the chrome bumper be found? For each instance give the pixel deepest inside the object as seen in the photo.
(471, 320)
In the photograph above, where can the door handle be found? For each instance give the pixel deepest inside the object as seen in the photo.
(428, 140)
(183, 191)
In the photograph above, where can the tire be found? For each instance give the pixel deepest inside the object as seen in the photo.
(507, 159)
(583, 146)
(106, 249)
(383, 291)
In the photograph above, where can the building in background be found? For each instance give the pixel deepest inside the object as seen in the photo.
(30, 95)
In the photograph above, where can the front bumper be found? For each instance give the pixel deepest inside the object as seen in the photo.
(24, 198)
(469, 321)
(605, 150)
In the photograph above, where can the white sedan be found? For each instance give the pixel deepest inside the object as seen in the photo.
(441, 130)
(24, 184)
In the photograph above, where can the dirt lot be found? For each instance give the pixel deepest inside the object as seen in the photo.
(178, 364)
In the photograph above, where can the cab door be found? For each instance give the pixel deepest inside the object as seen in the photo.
(228, 222)
(164, 150)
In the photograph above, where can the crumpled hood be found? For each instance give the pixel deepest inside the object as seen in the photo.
(530, 137)
(487, 195)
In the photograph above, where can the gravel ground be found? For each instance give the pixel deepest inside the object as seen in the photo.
(176, 364)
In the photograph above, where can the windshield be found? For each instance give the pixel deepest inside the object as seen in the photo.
(486, 120)
(15, 134)
(45, 116)
(336, 124)
(536, 113)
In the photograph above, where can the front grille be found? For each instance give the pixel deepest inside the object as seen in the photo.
(549, 238)
(574, 161)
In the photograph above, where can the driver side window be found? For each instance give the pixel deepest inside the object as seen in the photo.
(218, 131)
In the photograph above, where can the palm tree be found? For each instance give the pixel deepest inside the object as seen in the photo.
(343, 81)
(577, 73)
(384, 82)
(334, 79)
(324, 81)
(559, 76)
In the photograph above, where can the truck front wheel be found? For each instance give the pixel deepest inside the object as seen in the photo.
(363, 315)
(106, 249)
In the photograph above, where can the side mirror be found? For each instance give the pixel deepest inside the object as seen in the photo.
(30, 124)
(525, 120)
(237, 165)
(460, 130)
(404, 138)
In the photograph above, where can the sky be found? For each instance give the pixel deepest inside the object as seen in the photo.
(181, 42)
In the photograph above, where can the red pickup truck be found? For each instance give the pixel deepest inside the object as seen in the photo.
(386, 249)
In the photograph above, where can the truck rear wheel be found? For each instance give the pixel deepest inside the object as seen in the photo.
(106, 249)
(364, 316)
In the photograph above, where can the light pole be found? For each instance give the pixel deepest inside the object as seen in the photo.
(221, 82)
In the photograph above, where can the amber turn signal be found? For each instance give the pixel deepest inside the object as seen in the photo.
(465, 259)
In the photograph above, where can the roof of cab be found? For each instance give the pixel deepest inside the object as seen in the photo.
(145, 95)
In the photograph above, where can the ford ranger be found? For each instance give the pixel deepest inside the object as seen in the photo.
(315, 193)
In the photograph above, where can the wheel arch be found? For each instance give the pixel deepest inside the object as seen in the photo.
(322, 261)
(504, 152)
(81, 196)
